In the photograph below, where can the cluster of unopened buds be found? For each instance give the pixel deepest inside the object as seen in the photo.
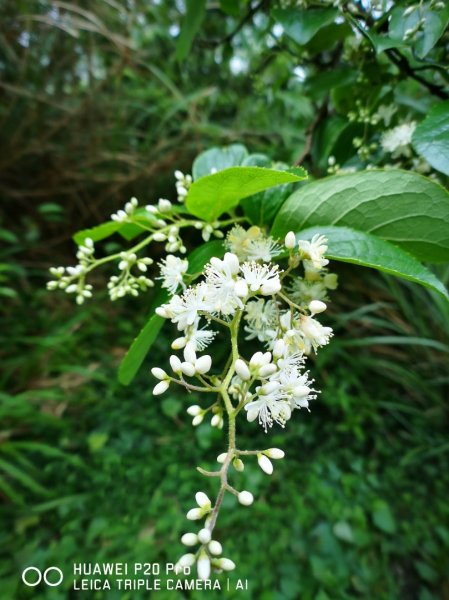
(247, 295)
(160, 223)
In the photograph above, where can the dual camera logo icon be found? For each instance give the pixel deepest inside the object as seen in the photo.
(32, 576)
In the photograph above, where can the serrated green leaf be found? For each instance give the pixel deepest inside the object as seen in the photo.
(217, 159)
(195, 11)
(402, 207)
(359, 248)
(302, 25)
(212, 195)
(431, 137)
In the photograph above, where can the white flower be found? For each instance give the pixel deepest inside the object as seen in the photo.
(172, 269)
(398, 140)
(314, 333)
(261, 318)
(261, 278)
(303, 291)
(251, 244)
(238, 240)
(183, 310)
(314, 250)
(264, 248)
(225, 287)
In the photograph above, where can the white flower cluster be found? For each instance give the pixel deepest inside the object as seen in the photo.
(208, 555)
(124, 216)
(72, 279)
(272, 383)
(183, 183)
(127, 282)
(398, 140)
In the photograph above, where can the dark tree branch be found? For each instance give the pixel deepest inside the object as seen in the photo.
(403, 65)
(248, 17)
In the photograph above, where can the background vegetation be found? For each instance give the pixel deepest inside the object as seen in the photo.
(104, 100)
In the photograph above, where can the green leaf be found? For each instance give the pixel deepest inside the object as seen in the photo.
(401, 207)
(302, 25)
(202, 255)
(212, 195)
(141, 345)
(262, 208)
(100, 232)
(195, 12)
(431, 138)
(139, 349)
(434, 25)
(359, 248)
(217, 159)
(383, 517)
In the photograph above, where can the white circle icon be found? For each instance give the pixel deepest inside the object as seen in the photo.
(40, 576)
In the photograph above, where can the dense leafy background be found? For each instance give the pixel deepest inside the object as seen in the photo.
(102, 100)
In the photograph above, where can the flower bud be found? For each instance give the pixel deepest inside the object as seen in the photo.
(241, 288)
(203, 566)
(202, 499)
(226, 564)
(204, 535)
(175, 364)
(160, 388)
(162, 312)
(216, 421)
(238, 464)
(265, 464)
(197, 420)
(267, 370)
(245, 498)
(187, 560)
(188, 369)
(215, 548)
(189, 353)
(189, 539)
(178, 343)
(242, 370)
(279, 348)
(159, 373)
(301, 391)
(164, 205)
(275, 453)
(273, 286)
(195, 514)
(203, 364)
(290, 240)
(159, 237)
(316, 307)
(222, 457)
(194, 410)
